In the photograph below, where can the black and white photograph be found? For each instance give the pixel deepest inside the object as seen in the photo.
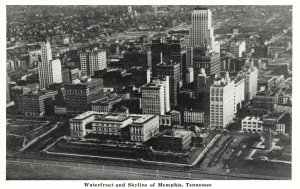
(149, 93)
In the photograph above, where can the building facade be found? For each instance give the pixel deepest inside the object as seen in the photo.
(252, 124)
(143, 127)
(92, 60)
(221, 102)
(201, 33)
(49, 70)
(171, 69)
(238, 48)
(33, 103)
(80, 94)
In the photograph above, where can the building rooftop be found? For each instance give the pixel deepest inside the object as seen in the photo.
(152, 85)
(86, 115)
(275, 115)
(265, 93)
(83, 81)
(113, 118)
(107, 100)
(38, 93)
(140, 118)
(178, 133)
(249, 118)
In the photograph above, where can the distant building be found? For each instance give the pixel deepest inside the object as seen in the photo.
(250, 76)
(49, 70)
(92, 60)
(238, 48)
(265, 83)
(136, 58)
(165, 50)
(221, 102)
(139, 76)
(261, 52)
(265, 100)
(69, 75)
(239, 92)
(171, 69)
(80, 94)
(208, 60)
(201, 33)
(35, 102)
(232, 65)
(175, 140)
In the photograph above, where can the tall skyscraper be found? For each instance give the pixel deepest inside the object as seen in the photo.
(171, 69)
(49, 70)
(201, 33)
(92, 60)
(221, 102)
(250, 76)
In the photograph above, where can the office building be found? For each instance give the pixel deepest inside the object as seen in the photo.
(250, 76)
(165, 50)
(69, 74)
(49, 70)
(80, 94)
(171, 69)
(92, 60)
(208, 60)
(139, 76)
(201, 33)
(155, 97)
(237, 49)
(239, 92)
(265, 100)
(221, 102)
(36, 103)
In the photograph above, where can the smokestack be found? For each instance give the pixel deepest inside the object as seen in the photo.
(161, 58)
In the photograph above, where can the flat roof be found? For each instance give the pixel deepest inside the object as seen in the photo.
(107, 100)
(250, 118)
(152, 85)
(141, 118)
(178, 133)
(113, 118)
(86, 114)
